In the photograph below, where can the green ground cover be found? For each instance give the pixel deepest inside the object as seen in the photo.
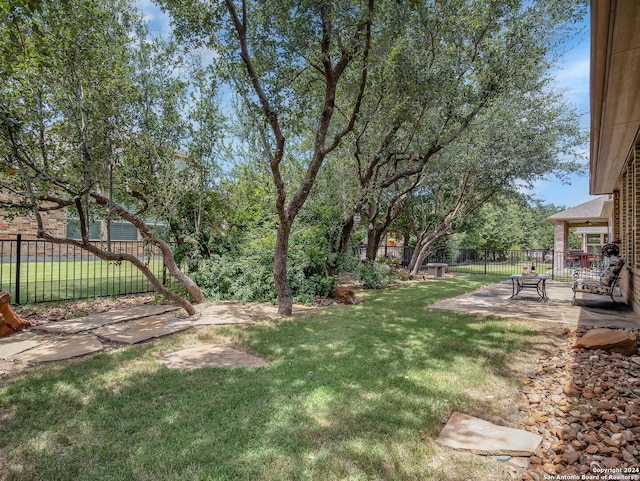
(351, 392)
(66, 280)
(498, 268)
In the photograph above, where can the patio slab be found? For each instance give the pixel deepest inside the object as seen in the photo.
(18, 343)
(482, 437)
(58, 350)
(210, 355)
(494, 300)
(93, 321)
(132, 332)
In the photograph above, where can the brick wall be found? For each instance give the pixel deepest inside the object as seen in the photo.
(626, 216)
(54, 221)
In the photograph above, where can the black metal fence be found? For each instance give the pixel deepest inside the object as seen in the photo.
(558, 265)
(36, 271)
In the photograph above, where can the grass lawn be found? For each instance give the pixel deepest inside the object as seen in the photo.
(351, 392)
(504, 269)
(65, 280)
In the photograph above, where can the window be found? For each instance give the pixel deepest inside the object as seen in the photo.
(120, 231)
(73, 230)
(123, 231)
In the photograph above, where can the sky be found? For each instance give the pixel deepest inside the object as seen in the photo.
(570, 75)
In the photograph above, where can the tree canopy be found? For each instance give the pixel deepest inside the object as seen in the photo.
(302, 117)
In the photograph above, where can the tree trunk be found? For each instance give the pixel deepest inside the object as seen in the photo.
(347, 228)
(422, 249)
(415, 255)
(167, 255)
(285, 298)
(175, 271)
(373, 243)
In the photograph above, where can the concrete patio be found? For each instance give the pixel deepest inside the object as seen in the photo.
(590, 310)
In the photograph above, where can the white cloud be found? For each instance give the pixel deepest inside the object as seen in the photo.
(159, 22)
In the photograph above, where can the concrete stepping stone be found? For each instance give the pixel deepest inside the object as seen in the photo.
(18, 343)
(220, 314)
(482, 437)
(57, 350)
(93, 321)
(234, 313)
(210, 355)
(131, 332)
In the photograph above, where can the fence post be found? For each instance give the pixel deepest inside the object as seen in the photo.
(486, 259)
(553, 264)
(18, 255)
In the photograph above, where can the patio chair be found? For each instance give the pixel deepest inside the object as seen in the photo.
(603, 287)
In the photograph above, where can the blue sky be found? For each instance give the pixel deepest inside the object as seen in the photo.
(571, 75)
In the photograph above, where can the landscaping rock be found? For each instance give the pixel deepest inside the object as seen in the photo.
(586, 403)
(611, 340)
(59, 349)
(345, 295)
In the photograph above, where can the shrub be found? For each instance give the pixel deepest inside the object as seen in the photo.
(373, 275)
(248, 275)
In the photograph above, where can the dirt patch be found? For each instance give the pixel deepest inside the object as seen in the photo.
(38, 314)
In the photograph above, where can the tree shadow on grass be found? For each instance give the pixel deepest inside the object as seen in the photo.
(345, 397)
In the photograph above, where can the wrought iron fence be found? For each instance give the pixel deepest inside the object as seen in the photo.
(558, 265)
(36, 271)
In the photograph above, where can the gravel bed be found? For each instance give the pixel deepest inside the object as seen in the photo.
(586, 406)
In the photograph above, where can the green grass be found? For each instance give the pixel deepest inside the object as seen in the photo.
(502, 269)
(66, 280)
(346, 395)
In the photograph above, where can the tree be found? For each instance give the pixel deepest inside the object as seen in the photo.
(294, 57)
(85, 129)
(514, 143)
(512, 222)
(452, 67)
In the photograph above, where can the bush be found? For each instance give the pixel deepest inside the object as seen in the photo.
(373, 275)
(248, 275)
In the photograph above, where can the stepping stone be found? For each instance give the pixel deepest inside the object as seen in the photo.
(60, 349)
(482, 437)
(131, 332)
(219, 314)
(18, 343)
(93, 321)
(210, 355)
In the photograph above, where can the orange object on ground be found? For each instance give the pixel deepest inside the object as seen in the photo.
(9, 321)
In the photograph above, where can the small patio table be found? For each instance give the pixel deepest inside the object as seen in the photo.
(537, 282)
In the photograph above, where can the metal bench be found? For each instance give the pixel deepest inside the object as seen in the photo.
(603, 287)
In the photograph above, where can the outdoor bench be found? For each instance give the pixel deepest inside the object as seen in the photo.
(436, 269)
(603, 287)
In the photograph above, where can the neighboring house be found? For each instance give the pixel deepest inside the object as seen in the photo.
(593, 238)
(615, 128)
(60, 224)
(26, 226)
(594, 214)
(10, 227)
